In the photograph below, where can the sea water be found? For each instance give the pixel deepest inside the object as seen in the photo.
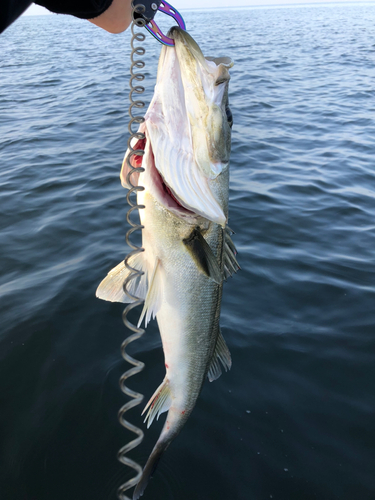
(295, 417)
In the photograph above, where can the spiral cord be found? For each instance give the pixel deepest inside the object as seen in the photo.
(135, 89)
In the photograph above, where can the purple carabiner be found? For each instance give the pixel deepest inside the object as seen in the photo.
(154, 29)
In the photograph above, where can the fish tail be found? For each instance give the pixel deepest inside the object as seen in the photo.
(150, 467)
(174, 423)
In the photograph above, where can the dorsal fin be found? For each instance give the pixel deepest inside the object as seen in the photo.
(203, 256)
(111, 288)
(230, 262)
(221, 354)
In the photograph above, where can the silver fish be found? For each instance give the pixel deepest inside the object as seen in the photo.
(188, 248)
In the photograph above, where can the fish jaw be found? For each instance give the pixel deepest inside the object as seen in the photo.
(205, 83)
(199, 198)
(186, 129)
(187, 126)
(192, 190)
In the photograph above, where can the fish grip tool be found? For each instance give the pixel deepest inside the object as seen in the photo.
(151, 7)
(142, 17)
(135, 89)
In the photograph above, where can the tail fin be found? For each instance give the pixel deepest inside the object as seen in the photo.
(149, 469)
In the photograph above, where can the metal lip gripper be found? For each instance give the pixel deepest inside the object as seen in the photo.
(148, 14)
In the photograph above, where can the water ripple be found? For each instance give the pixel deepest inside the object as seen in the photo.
(294, 418)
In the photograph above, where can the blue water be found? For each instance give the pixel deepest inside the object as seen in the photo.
(295, 417)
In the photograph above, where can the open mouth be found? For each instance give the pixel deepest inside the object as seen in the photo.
(162, 191)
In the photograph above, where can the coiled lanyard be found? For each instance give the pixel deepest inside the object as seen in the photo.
(143, 13)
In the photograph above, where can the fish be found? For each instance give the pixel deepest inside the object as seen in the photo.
(188, 250)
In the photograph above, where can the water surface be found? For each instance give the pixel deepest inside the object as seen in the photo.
(294, 419)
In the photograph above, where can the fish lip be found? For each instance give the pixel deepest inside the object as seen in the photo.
(182, 37)
(176, 32)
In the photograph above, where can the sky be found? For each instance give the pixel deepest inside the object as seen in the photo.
(35, 10)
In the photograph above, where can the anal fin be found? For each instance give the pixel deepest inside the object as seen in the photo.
(221, 354)
(159, 402)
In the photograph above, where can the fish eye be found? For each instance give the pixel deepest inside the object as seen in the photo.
(223, 80)
(229, 115)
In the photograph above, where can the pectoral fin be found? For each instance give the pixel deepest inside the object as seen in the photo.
(203, 256)
(111, 288)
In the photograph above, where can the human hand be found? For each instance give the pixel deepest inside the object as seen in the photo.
(116, 18)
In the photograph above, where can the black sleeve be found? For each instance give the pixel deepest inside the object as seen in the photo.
(85, 9)
(10, 10)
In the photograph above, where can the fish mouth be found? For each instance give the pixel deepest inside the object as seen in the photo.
(187, 132)
(160, 189)
(182, 37)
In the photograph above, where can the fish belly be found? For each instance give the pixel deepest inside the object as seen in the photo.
(189, 302)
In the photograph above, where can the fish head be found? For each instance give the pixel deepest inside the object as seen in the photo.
(205, 82)
(188, 132)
